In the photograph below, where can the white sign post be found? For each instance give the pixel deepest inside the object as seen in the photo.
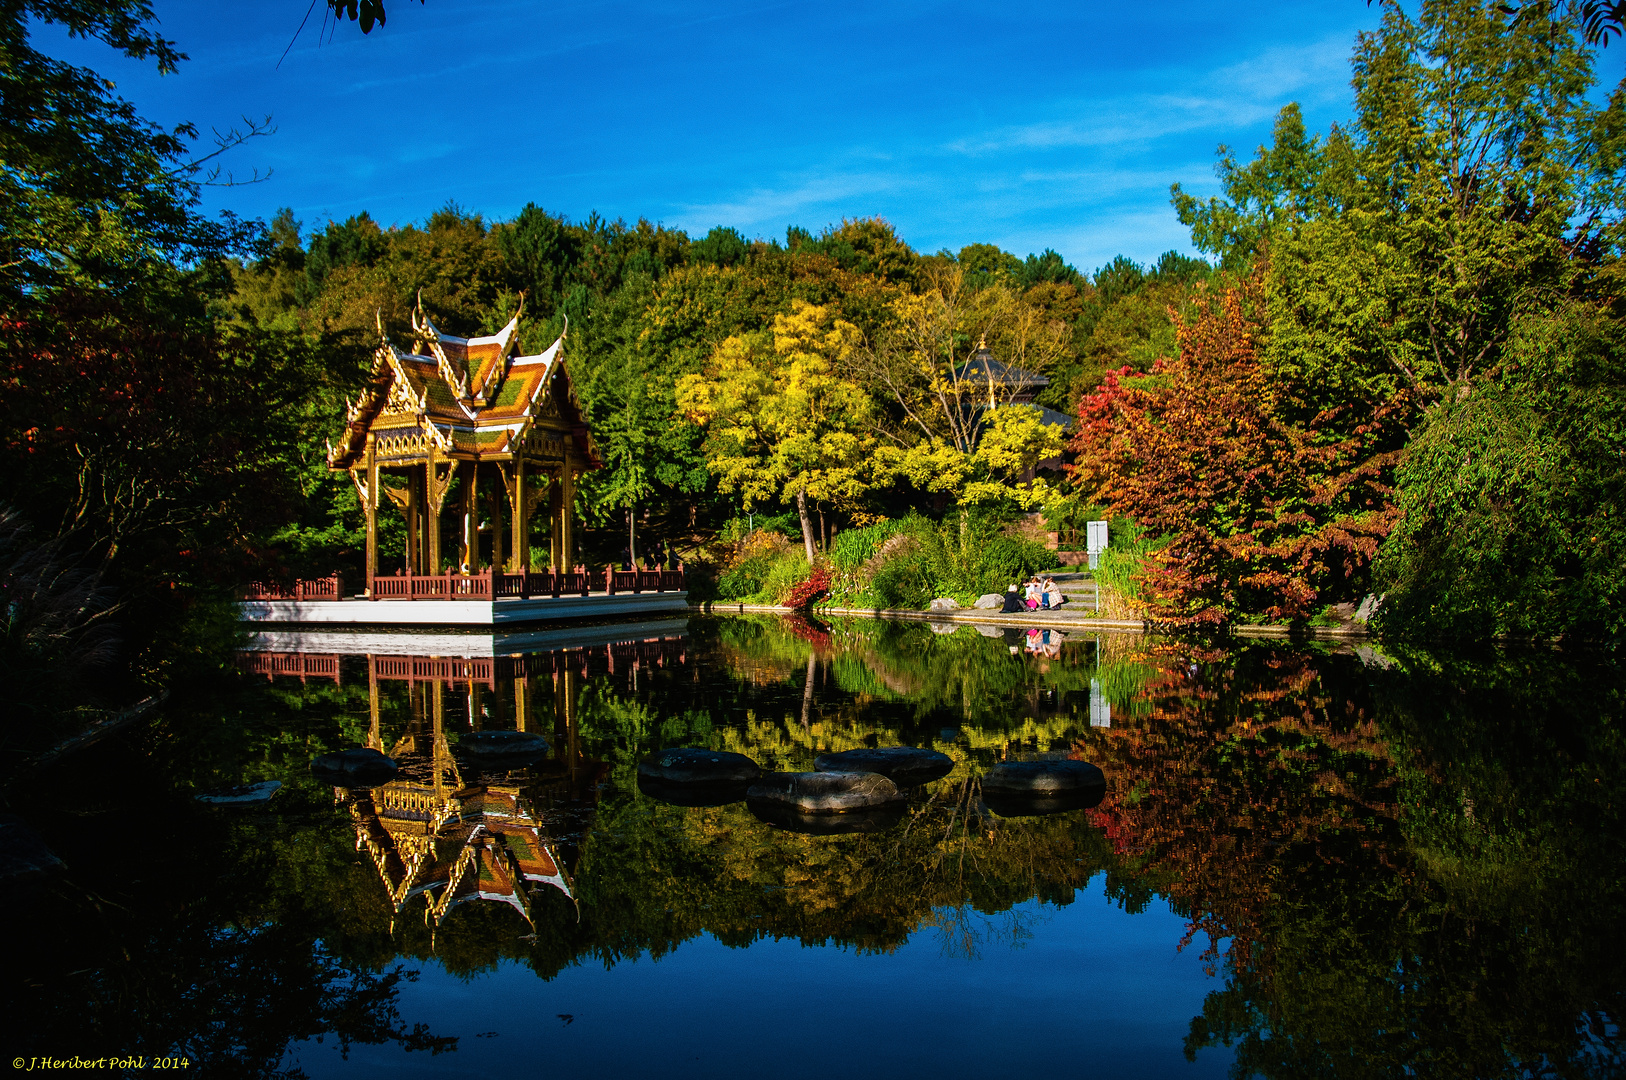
(1095, 542)
(1095, 539)
(1100, 707)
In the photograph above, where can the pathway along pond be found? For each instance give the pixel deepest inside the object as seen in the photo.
(1307, 862)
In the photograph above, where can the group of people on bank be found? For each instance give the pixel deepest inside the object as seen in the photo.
(1038, 593)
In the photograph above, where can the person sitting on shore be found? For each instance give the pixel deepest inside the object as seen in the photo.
(1013, 602)
(1054, 597)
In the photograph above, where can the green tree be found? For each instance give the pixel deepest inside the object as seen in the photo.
(142, 426)
(1452, 252)
(781, 423)
(952, 424)
(1280, 187)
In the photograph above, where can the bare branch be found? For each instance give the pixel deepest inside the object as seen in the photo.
(224, 141)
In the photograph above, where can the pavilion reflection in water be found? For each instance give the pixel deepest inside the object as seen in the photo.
(452, 829)
(451, 833)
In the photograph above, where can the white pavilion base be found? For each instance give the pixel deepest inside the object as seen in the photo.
(462, 612)
(459, 643)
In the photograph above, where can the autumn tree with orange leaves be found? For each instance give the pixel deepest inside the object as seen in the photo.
(1256, 510)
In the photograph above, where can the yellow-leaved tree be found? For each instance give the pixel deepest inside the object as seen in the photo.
(781, 422)
(964, 429)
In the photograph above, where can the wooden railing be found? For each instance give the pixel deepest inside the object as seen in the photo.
(611, 658)
(486, 585)
(447, 586)
(577, 582)
(415, 669)
(643, 579)
(328, 588)
(490, 585)
(300, 665)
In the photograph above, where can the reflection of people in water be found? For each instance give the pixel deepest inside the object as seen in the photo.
(1045, 643)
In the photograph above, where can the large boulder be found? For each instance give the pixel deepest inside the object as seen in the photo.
(944, 603)
(502, 749)
(826, 792)
(241, 795)
(1042, 778)
(361, 767)
(990, 601)
(906, 766)
(1007, 805)
(694, 765)
(781, 816)
(696, 794)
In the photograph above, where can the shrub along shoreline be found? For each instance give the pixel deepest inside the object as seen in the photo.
(895, 564)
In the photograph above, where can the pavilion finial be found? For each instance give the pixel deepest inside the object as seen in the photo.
(566, 331)
(420, 321)
(378, 314)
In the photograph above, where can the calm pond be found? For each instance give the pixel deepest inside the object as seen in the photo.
(1309, 861)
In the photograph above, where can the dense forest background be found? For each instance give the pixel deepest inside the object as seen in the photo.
(653, 316)
(1398, 372)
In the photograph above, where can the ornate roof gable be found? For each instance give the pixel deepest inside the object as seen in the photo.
(471, 394)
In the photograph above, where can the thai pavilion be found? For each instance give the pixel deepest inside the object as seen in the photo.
(433, 836)
(507, 428)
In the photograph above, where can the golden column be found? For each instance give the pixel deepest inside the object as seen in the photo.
(369, 496)
(567, 511)
(556, 551)
(375, 734)
(415, 524)
(495, 509)
(435, 486)
(519, 505)
(470, 556)
(522, 700)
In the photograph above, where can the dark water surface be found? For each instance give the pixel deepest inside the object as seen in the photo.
(1310, 861)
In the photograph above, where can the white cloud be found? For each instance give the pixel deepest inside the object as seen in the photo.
(1235, 95)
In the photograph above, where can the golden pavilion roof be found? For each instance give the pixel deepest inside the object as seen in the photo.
(464, 398)
(480, 843)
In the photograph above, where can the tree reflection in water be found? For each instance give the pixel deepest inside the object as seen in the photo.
(1403, 863)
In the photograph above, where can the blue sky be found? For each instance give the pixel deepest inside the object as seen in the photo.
(1029, 126)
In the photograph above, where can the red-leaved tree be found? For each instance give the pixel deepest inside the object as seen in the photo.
(1258, 512)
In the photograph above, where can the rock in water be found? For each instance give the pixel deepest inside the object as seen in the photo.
(875, 819)
(906, 766)
(23, 853)
(945, 603)
(1039, 805)
(692, 765)
(990, 601)
(361, 767)
(241, 795)
(503, 747)
(826, 792)
(1041, 778)
(698, 794)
